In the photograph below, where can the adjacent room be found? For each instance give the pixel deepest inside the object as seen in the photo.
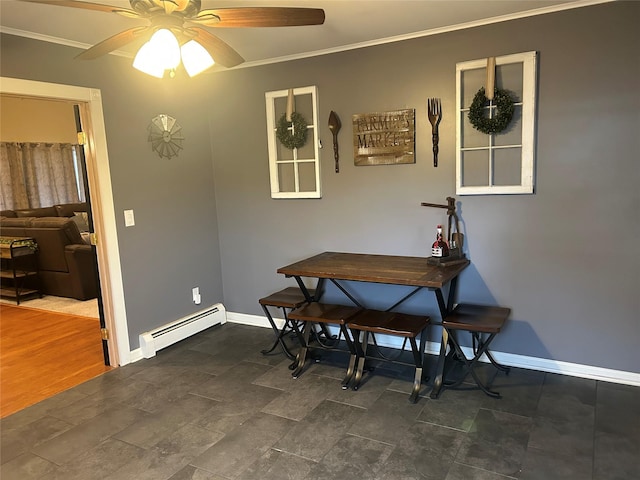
(386, 240)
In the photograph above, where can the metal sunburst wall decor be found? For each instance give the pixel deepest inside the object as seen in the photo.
(165, 135)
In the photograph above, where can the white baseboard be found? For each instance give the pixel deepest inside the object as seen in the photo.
(509, 359)
(135, 355)
(253, 320)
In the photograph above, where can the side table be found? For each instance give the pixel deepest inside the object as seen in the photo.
(19, 274)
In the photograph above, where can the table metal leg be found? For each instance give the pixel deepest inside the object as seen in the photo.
(453, 286)
(417, 379)
(444, 308)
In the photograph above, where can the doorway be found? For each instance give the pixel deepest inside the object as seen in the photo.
(99, 180)
(43, 164)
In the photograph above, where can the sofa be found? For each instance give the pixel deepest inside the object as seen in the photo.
(60, 210)
(66, 262)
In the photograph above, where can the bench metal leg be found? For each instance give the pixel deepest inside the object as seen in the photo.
(482, 348)
(362, 357)
(280, 334)
(352, 358)
(496, 364)
(437, 383)
(418, 358)
(302, 354)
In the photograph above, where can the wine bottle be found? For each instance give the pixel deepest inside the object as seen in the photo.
(439, 247)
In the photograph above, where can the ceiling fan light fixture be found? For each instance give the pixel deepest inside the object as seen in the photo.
(160, 53)
(166, 48)
(146, 62)
(195, 58)
(186, 19)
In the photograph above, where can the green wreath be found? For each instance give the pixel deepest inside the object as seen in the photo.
(504, 111)
(299, 136)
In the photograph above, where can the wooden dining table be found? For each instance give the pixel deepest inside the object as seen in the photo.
(413, 272)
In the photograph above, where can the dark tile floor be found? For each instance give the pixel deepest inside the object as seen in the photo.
(212, 407)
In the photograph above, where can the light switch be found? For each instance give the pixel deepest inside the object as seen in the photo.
(129, 220)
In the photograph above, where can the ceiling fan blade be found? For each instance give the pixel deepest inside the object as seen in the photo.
(260, 17)
(112, 43)
(86, 6)
(221, 53)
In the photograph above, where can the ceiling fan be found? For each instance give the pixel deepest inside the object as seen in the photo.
(185, 19)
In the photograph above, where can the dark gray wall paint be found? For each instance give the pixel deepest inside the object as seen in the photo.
(564, 259)
(174, 245)
(540, 254)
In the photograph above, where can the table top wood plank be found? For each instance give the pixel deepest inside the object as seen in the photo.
(390, 269)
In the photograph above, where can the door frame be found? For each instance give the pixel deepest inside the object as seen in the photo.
(99, 177)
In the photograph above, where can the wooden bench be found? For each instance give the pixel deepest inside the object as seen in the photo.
(287, 299)
(323, 313)
(484, 323)
(389, 323)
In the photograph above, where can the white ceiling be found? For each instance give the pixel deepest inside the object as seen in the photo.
(349, 23)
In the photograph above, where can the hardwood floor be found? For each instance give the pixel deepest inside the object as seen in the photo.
(43, 353)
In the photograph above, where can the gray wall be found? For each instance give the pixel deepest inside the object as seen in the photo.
(174, 244)
(564, 258)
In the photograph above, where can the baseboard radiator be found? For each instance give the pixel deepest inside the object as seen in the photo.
(162, 337)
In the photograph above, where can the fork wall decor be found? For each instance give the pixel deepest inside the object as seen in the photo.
(434, 113)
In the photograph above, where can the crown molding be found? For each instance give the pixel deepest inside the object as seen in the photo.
(342, 48)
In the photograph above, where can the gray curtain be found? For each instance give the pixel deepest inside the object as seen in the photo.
(36, 175)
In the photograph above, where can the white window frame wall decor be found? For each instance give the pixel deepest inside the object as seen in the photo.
(300, 162)
(522, 126)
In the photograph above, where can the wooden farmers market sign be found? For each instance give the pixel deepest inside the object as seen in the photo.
(384, 138)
